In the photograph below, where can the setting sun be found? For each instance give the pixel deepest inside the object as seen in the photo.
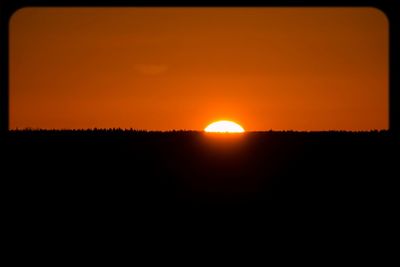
(224, 127)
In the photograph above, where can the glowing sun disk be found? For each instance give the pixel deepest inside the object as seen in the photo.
(224, 127)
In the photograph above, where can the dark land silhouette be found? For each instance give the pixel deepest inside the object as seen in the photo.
(331, 189)
(317, 171)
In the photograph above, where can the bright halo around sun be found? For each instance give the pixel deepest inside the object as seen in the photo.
(224, 127)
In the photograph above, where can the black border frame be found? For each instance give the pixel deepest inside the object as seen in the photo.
(389, 7)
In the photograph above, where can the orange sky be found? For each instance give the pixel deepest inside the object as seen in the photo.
(182, 68)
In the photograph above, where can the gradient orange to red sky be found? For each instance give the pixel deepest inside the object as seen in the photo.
(183, 68)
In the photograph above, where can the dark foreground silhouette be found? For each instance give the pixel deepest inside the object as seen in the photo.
(63, 187)
(272, 170)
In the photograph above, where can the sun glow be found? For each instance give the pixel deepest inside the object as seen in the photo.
(224, 127)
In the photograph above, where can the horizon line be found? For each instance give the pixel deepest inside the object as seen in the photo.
(28, 129)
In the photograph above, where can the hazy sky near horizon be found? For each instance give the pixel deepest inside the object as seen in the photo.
(183, 68)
